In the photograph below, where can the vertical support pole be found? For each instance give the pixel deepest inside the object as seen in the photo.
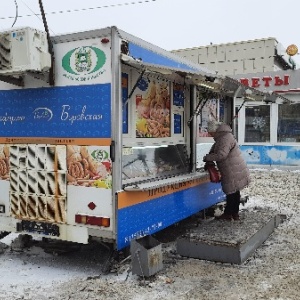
(235, 114)
(116, 109)
(193, 130)
(50, 46)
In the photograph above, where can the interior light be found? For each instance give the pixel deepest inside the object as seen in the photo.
(250, 98)
(150, 146)
(203, 84)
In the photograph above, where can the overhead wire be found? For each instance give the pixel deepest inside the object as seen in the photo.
(82, 9)
(17, 13)
(37, 15)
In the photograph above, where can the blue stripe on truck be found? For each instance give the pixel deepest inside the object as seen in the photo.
(154, 215)
(72, 111)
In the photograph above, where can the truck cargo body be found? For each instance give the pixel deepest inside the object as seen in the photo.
(106, 152)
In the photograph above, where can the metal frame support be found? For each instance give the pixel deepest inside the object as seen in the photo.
(116, 104)
(235, 115)
(134, 88)
(193, 130)
(13, 80)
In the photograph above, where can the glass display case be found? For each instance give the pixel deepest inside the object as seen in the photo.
(146, 163)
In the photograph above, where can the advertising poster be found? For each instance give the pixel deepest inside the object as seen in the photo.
(54, 114)
(208, 113)
(82, 62)
(4, 162)
(152, 109)
(89, 166)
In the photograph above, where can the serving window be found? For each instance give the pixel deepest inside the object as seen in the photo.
(156, 111)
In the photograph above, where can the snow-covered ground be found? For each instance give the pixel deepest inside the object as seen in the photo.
(272, 272)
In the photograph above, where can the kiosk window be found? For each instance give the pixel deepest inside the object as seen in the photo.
(288, 123)
(257, 128)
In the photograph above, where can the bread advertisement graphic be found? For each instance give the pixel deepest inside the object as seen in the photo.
(4, 162)
(89, 167)
(152, 109)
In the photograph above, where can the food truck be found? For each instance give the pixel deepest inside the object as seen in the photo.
(98, 135)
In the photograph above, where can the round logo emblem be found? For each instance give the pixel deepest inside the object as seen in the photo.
(83, 60)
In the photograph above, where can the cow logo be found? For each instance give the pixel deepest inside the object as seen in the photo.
(84, 63)
(83, 60)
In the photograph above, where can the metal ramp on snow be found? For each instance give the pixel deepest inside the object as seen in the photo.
(229, 241)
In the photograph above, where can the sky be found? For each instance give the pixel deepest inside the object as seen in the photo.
(169, 24)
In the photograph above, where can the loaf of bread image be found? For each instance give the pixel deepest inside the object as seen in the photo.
(84, 168)
(4, 162)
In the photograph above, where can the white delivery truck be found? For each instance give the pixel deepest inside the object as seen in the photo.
(97, 137)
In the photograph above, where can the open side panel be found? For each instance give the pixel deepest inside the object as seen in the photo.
(159, 184)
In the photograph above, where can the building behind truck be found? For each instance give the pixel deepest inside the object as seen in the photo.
(98, 135)
(268, 131)
(251, 56)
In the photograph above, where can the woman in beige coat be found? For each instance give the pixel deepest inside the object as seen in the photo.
(234, 172)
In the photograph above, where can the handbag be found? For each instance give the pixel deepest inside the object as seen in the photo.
(214, 173)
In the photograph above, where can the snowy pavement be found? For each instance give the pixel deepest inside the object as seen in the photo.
(271, 273)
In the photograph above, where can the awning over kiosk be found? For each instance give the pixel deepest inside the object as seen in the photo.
(222, 85)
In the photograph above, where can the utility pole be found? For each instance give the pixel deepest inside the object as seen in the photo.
(50, 45)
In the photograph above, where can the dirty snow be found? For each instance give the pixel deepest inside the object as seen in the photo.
(272, 272)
